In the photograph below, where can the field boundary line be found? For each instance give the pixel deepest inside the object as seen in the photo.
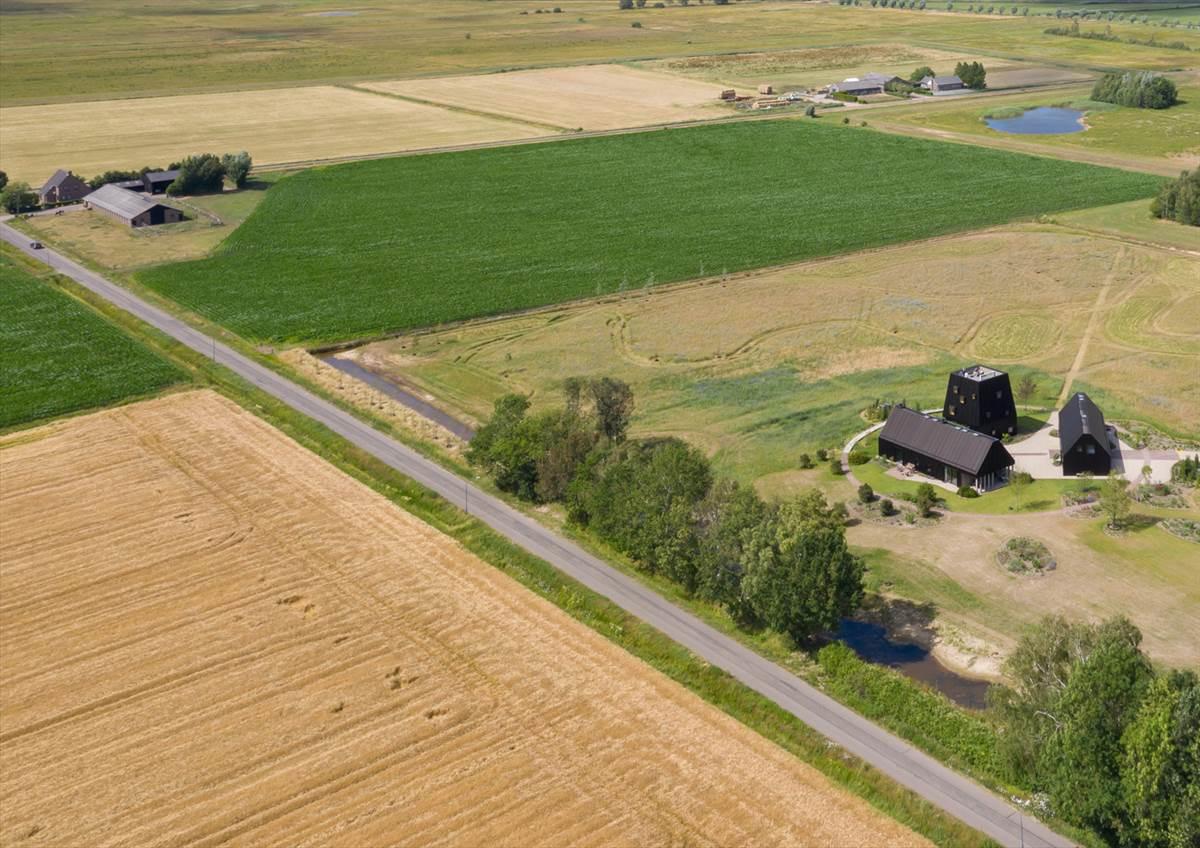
(449, 107)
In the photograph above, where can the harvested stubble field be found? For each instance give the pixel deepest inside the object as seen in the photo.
(331, 255)
(591, 97)
(58, 356)
(249, 646)
(161, 47)
(278, 125)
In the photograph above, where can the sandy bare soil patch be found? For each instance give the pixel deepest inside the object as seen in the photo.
(210, 635)
(280, 125)
(594, 97)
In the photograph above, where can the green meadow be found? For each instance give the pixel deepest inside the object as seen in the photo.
(382, 246)
(58, 356)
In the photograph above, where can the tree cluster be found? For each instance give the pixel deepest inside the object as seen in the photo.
(1115, 744)
(658, 502)
(198, 174)
(1179, 200)
(1139, 89)
(17, 197)
(973, 74)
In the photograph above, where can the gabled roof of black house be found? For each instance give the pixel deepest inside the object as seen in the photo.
(1082, 417)
(948, 443)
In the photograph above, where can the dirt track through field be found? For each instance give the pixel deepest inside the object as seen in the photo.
(212, 636)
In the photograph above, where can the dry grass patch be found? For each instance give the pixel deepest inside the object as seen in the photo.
(248, 646)
(593, 97)
(283, 125)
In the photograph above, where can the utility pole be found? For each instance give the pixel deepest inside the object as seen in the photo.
(466, 497)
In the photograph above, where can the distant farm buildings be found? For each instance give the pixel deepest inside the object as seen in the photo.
(981, 399)
(863, 86)
(131, 209)
(1085, 441)
(943, 85)
(63, 187)
(944, 451)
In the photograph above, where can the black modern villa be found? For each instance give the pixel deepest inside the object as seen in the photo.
(981, 399)
(1084, 439)
(945, 451)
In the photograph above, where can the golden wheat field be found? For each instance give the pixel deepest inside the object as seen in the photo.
(592, 97)
(211, 636)
(275, 126)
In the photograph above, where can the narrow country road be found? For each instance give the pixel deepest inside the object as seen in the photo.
(957, 795)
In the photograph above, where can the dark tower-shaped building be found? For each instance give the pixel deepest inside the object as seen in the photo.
(981, 398)
(1083, 438)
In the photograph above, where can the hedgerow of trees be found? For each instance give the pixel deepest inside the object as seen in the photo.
(658, 502)
(1179, 200)
(1114, 744)
(1142, 90)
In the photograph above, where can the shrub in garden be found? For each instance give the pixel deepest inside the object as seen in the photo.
(865, 493)
(1024, 555)
(886, 507)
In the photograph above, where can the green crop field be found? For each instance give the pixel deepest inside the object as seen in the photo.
(57, 356)
(368, 248)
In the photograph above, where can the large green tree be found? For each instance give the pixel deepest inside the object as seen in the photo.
(801, 578)
(1160, 766)
(198, 174)
(640, 496)
(1179, 200)
(237, 167)
(724, 521)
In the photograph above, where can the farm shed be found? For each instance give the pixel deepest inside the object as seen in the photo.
(1084, 439)
(156, 182)
(857, 87)
(981, 398)
(63, 187)
(944, 451)
(131, 209)
(943, 85)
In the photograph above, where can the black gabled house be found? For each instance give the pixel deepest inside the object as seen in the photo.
(945, 451)
(1083, 438)
(981, 398)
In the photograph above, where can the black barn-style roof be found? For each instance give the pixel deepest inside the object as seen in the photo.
(1081, 417)
(947, 443)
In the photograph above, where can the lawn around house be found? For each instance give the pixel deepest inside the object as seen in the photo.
(375, 247)
(58, 356)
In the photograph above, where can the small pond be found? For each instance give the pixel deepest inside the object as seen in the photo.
(1045, 120)
(871, 642)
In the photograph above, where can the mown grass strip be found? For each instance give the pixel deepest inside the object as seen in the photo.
(371, 247)
(58, 356)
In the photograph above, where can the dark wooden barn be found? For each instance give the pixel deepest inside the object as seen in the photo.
(1084, 438)
(156, 182)
(945, 451)
(981, 398)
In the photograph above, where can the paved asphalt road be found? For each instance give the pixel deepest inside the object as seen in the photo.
(943, 787)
